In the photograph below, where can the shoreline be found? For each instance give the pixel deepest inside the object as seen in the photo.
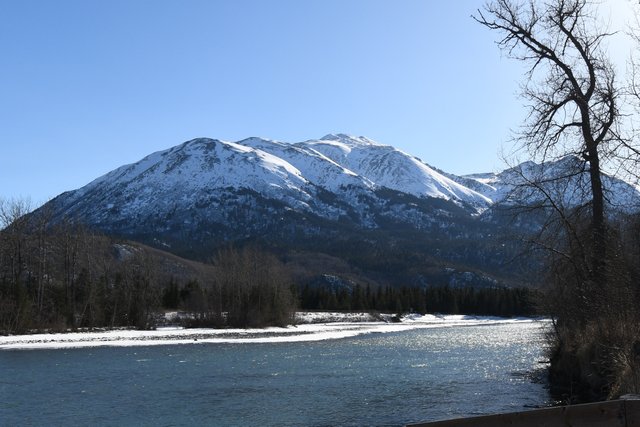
(316, 326)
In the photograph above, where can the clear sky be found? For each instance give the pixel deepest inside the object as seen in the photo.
(87, 86)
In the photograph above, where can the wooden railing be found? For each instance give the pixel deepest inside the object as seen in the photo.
(612, 413)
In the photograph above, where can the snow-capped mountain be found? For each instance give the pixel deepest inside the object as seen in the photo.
(211, 181)
(207, 190)
(364, 203)
(337, 161)
(391, 168)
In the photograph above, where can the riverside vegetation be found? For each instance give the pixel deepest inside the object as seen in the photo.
(578, 107)
(60, 277)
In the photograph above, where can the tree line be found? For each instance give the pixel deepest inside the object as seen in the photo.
(497, 301)
(250, 288)
(64, 277)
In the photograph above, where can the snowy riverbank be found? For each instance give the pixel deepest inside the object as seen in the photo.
(311, 327)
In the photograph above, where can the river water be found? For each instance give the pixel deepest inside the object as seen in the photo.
(376, 379)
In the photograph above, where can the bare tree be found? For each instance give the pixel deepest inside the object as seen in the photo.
(255, 287)
(14, 235)
(573, 97)
(576, 108)
(633, 91)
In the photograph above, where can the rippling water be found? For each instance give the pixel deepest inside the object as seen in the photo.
(379, 379)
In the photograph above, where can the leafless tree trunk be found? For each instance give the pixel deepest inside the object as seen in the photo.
(43, 251)
(572, 93)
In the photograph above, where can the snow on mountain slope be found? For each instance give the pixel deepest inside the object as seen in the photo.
(389, 167)
(207, 183)
(258, 185)
(215, 164)
(187, 174)
(317, 168)
(566, 180)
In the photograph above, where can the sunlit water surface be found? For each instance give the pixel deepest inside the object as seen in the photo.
(378, 379)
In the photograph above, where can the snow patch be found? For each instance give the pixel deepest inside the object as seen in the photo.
(312, 331)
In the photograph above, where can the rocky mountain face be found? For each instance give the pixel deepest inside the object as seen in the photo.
(386, 213)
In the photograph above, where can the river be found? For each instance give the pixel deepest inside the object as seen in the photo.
(373, 379)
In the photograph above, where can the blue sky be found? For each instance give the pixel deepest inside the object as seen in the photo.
(87, 86)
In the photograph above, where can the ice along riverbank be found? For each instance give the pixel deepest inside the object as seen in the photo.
(310, 327)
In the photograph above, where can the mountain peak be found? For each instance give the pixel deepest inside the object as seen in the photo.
(199, 141)
(348, 139)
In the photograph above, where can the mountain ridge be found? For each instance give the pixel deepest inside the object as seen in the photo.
(332, 193)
